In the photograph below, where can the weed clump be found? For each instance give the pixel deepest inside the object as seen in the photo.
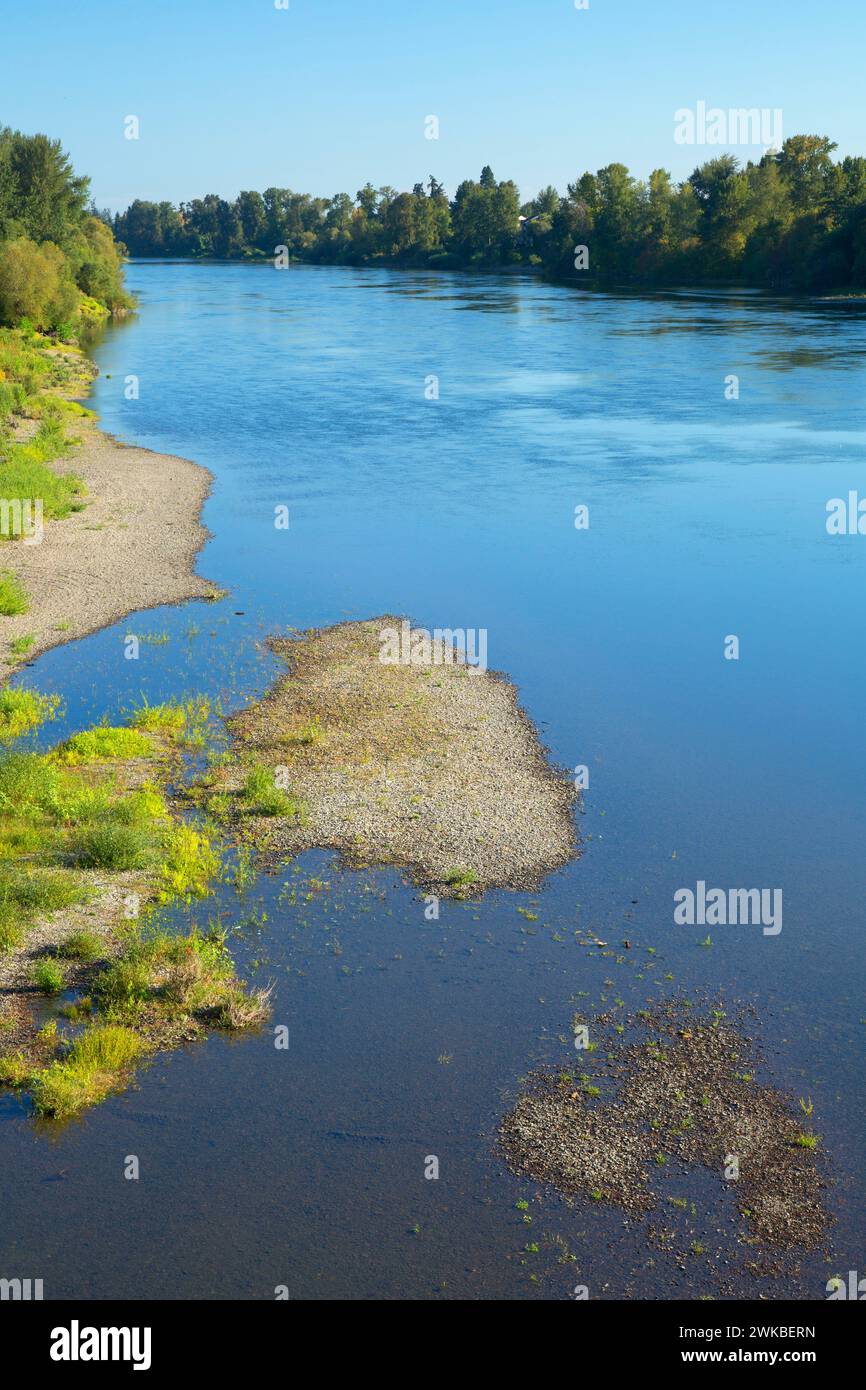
(104, 742)
(21, 711)
(97, 1063)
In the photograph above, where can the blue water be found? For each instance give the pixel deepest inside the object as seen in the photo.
(308, 389)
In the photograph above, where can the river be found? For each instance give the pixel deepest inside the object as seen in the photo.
(432, 436)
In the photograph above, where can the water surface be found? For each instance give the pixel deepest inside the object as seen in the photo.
(309, 389)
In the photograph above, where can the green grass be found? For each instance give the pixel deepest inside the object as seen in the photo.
(13, 599)
(179, 975)
(97, 1063)
(308, 734)
(22, 710)
(14, 1071)
(185, 721)
(40, 890)
(81, 945)
(26, 471)
(104, 742)
(262, 797)
(11, 929)
(48, 976)
(20, 646)
(460, 878)
(113, 846)
(189, 864)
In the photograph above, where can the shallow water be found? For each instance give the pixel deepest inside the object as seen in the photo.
(306, 389)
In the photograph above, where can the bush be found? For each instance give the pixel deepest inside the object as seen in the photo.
(36, 282)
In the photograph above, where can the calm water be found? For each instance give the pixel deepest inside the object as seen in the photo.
(707, 517)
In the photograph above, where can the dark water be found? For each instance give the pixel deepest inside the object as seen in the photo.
(707, 518)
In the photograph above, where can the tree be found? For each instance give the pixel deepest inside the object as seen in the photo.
(805, 163)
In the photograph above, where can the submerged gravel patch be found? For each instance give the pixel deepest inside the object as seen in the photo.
(680, 1090)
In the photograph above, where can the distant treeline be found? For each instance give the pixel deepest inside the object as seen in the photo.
(59, 264)
(796, 219)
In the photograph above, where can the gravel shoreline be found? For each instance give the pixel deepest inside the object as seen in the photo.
(133, 545)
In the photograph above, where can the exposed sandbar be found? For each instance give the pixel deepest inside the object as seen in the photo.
(435, 768)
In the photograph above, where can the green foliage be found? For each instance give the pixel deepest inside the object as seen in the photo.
(59, 264)
(13, 599)
(98, 1062)
(37, 890)
(794, 219)
(48, 976)
(20, 646)
(23, 710)
(11, 928)
(109, 845)
(185, 721)
(264, 798)
(81, 945)
(36, 283)
(104, 742)
(189, 865)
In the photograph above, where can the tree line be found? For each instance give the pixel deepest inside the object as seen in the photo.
(795, 219)
(60, 266)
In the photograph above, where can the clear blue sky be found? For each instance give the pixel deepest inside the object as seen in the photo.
(236, 94)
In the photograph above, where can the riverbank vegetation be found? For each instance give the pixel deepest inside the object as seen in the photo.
(60, 267)
(795, 219)
(92, 855)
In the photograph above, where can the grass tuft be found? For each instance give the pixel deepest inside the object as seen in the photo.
(13, 599)
(104, 742)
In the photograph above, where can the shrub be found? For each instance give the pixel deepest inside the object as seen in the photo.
(36, 283)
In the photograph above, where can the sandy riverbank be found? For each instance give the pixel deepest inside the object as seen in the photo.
(133, 545)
